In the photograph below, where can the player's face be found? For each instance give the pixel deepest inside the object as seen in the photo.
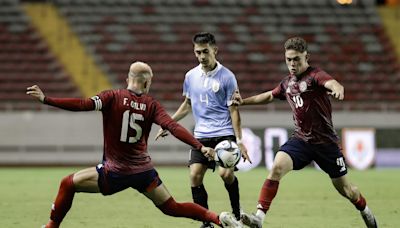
(205, 54)
(296, 62)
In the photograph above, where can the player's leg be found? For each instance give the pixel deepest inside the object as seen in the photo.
(282, 165)
(351, 192)
(330, 159)
(232, 186)
(166, 203)
(199, 193)
(198, 165)
(293, 155)
(82, 181)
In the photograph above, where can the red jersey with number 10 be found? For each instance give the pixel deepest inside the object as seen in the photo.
(309, 101)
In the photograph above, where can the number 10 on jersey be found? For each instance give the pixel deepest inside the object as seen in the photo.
(128, 121)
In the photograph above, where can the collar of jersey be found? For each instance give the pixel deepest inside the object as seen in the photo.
(211, 73)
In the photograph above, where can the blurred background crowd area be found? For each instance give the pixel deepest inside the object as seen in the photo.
(77, 48)
(80, 47)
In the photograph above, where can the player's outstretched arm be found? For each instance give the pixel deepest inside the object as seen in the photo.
(71, 104)
(182, 111)
(336, 89)
(262, 98)
(237, 127)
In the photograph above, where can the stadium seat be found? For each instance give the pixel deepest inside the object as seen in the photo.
(25, 60)
(349, 42)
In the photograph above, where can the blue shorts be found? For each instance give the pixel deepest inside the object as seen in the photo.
(110, 182)
(328, 156)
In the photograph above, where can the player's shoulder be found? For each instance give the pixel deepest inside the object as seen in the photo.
(316, 71)
(116, 92)
(226, 71)
(149, 99)
(195, 70)
(286, 79)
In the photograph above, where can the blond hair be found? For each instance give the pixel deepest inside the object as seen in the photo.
(140, 70)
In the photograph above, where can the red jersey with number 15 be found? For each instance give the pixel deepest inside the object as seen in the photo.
(127, 121)
(309, 101)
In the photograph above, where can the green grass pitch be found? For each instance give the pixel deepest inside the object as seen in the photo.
(306, 199)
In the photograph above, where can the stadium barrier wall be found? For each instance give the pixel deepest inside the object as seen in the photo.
(66, 138)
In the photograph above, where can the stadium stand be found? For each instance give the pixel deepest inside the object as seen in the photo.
(25, 60)
(348, 41)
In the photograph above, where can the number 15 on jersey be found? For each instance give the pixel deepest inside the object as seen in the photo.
(128, 121)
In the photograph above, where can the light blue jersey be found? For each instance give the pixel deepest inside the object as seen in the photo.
(210, 96)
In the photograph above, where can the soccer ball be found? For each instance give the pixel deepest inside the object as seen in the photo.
(227, 154)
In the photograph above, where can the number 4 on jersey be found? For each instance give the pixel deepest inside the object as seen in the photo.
(128, 120)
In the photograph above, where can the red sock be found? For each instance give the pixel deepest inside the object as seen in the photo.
(360, 203)
(52, 224)
(188, 210)
(267, 194)
(63, 201)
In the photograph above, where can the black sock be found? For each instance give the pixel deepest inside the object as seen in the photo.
(233, 190)
(199, 195)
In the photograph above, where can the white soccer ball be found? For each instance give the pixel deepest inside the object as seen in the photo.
(227, 154)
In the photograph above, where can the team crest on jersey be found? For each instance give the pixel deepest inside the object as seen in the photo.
(303, 86)
(215, 86)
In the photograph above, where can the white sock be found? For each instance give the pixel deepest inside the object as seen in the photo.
(366, 209)
(260, 214)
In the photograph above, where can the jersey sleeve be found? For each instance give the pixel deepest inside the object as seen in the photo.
(321, 77)
(278, 92)
(103, 100)
(166, 122)
(71, 104)
(231, 86)
(186, 87)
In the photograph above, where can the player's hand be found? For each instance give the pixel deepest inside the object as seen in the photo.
(236, 98)
(338, 94)
(243, 149)
(35, 91)
(208, 152)
(161, 133)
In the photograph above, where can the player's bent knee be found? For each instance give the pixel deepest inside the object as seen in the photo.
(277, 171)
(227, 175)
(196, 178)
(67, 181)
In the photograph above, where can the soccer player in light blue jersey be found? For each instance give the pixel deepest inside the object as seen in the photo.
(208, 89)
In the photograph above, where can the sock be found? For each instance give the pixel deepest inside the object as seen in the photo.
(63, 201)
(267, 194)
(52, 224)
(199, 195)
(188, 210)
(260, 214)
(360, 203)
(233, 190)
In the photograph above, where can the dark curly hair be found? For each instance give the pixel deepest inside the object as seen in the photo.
(297, 44)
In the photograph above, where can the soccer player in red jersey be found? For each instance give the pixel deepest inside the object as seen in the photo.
(307, 91)
(128, 115)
